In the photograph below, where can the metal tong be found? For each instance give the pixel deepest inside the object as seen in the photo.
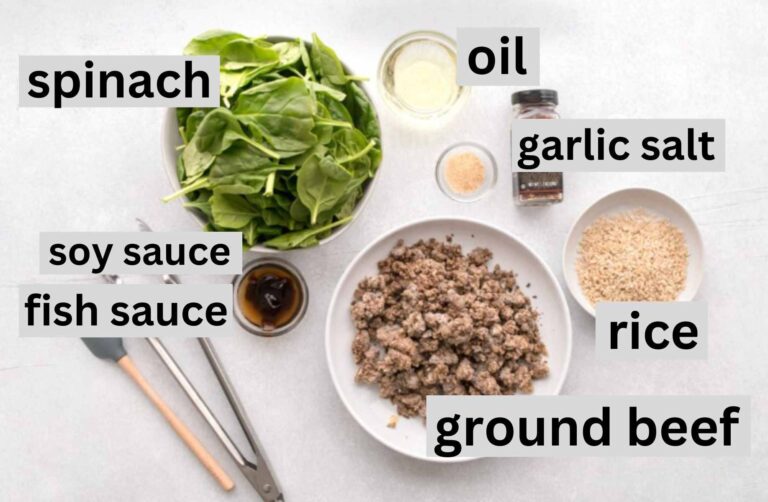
(257, 472)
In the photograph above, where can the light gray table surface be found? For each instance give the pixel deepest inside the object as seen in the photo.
(75, 428)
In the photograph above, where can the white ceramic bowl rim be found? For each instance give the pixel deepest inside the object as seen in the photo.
(390, 233)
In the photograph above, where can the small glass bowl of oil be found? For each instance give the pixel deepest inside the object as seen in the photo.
(417, 75)
(271, 297)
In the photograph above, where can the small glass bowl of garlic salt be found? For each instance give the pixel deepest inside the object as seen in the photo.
(417, 75)
(466, 172)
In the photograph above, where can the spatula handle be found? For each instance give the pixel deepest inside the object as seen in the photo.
(181, 429)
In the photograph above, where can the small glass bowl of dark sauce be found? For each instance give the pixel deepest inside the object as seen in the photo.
(270, 297)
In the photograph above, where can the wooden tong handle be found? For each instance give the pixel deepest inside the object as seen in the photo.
(181, 429)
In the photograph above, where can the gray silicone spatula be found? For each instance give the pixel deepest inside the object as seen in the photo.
(112, 348)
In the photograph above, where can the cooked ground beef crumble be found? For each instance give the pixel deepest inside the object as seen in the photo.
(436, 321)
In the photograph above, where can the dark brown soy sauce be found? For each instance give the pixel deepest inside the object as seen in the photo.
(269, 296)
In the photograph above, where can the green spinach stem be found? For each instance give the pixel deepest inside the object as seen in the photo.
(359, 154)
(197, 185)
(269, 188)
(268, 152)
(332, 123)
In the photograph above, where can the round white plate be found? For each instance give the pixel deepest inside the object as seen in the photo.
(654, 202)
(363, 402)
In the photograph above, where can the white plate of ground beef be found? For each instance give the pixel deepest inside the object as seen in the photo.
(443, 306)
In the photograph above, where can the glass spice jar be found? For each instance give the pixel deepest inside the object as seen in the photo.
(533, 188)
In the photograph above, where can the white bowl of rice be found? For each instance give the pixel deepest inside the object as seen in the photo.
(635, 244)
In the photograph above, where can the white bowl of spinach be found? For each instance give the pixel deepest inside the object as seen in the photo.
(290, 155)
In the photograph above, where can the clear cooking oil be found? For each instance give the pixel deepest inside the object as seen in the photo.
(417, 75)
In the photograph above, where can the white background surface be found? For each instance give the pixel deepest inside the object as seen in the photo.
(75, 428)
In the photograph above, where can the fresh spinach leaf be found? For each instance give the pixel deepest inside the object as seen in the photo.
(180, 173)
(211, 42)
(320, 185)
(299, 211)
(196, 162)
(181, 116)
(241, 169)
(246, 182)
(350, 145)
(232, 81)
(303, 238)
(349, 203)
(251, 232)
(323, 129)
(288, 53)
(284, 104)
(193, 122)
(326, 63)
(240, 157)
(281, 111)
(306, 62)
(360, 107)
(201, 203)
(317, 87)
(337, 109)
(239, 54)
(219, 129)
(231, 211)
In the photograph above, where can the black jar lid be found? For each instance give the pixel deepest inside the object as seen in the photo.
(534, 96)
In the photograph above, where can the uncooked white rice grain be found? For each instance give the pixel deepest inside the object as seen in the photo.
(632, 256)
